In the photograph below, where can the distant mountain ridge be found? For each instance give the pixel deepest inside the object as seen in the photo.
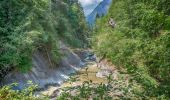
(99, 11)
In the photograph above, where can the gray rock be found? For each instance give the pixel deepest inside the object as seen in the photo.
(103, 73)
(43, 74)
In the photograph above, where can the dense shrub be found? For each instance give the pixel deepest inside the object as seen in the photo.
(139, 42)
(7, 93)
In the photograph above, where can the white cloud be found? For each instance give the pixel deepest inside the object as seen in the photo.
(89, 2)
(89, 5)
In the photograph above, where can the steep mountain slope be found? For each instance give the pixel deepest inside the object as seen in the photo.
(99, 11)
(28, 26)
(140, 42)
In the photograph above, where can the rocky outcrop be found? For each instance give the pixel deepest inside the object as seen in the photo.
(43, 74)
(99, 11)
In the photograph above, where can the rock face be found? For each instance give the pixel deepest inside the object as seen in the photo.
(99, 11)
(42, 74)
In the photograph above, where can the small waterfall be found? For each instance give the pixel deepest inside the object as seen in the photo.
(42, 74)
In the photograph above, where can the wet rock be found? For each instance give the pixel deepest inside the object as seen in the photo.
(91, 57)
(43, 74)
(55, 94)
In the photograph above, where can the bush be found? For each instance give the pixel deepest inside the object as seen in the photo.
(139, 42)
(7, 93)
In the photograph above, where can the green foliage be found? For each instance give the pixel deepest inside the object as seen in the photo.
(139, 42)
(7, 93)
(29, 25)
(86, 91)
(112, 90)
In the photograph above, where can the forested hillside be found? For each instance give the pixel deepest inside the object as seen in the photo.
(29, 25)
(139, 43)
(124, 56)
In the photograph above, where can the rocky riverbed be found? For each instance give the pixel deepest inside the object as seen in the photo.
(95, 72)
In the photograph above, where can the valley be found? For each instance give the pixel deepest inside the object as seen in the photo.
(84, 50)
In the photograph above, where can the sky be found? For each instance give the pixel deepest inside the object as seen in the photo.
(89, 5)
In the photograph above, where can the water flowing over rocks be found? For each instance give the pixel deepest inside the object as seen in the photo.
(95, 72)
(52, 79)
(43, 74)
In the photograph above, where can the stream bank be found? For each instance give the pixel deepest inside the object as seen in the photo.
(43, 74)
(95, 73)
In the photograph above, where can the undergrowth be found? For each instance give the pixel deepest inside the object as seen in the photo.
(139, 42)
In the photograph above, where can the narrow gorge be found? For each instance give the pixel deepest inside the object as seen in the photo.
(84, 50)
